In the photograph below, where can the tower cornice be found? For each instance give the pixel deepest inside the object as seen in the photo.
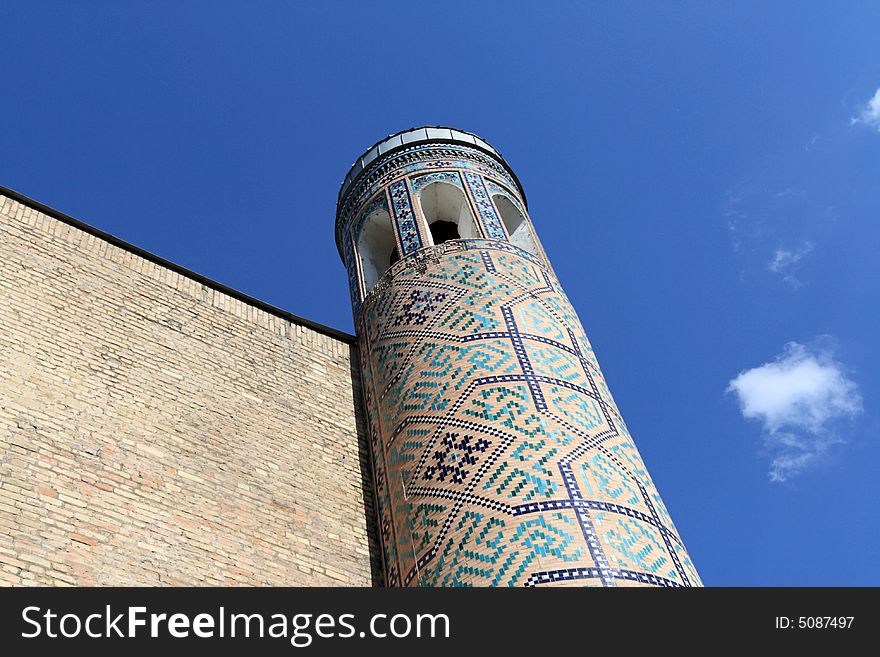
(422, 135)
(372, 159)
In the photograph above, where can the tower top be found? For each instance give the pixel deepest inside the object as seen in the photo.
(422, 135)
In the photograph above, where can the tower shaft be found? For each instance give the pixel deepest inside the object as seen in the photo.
(499, 455)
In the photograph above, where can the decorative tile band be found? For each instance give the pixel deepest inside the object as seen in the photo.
(404, 217)
(489, 217)
(451, 177)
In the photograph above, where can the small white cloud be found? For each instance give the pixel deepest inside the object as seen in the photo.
(734, 218)
(800, 399)
(785, 263)
(870, 114)
(790, 191)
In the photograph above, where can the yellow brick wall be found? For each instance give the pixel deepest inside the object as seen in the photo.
(154, 430)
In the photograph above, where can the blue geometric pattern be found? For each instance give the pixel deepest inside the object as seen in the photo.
(404, 217)
(455, 456)
(451, 177)
(485, 207)
(501, 457)
(421, 305)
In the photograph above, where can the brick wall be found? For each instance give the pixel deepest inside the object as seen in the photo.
(154, 430)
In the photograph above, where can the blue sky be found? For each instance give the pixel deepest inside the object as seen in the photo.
(704, 177)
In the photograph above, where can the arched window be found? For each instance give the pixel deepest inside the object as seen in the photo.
(447, 212)
(377, 247)
(516, 224)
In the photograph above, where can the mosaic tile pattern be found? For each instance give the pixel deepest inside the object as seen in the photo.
(486, 209)
(451, 177)
(500, 457)
(404, 217)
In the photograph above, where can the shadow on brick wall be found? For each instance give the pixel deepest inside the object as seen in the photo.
(364, 458)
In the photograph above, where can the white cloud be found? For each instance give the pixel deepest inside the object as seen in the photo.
(800, 399)
(870, 114)
(785, 263)
(773, 229)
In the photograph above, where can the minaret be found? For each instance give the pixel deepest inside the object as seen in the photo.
(499, 456)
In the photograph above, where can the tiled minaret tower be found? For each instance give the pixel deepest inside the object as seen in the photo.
(499, 456)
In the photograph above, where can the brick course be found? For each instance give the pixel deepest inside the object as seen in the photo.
(155, 430)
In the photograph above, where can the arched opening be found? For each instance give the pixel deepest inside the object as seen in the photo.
(517, 227)
(447, 212)
(377, 247)
(443, 231)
